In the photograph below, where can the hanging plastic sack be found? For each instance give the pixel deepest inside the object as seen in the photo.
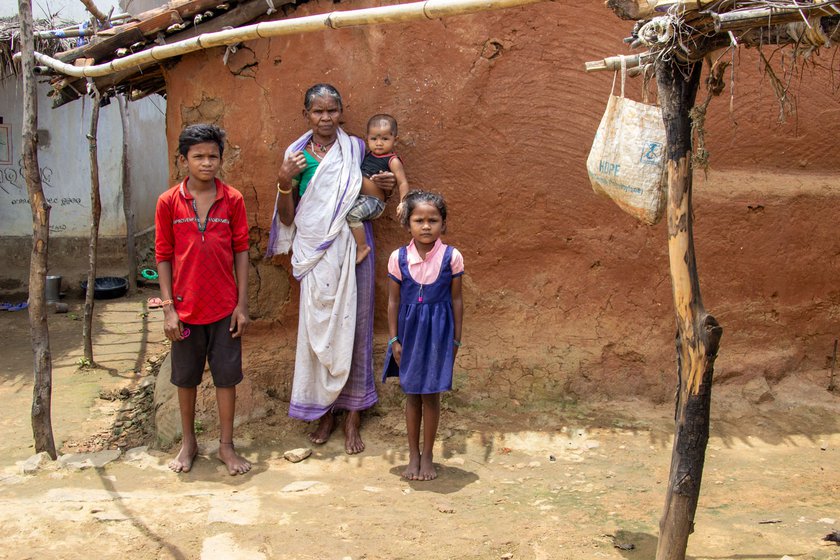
(627, 159)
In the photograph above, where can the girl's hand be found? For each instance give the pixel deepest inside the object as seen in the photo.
(291, 168)
(396, 351)
(172, 326)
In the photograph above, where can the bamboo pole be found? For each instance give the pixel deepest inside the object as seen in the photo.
(95, 213)
(698, 333)
(430, 9)
(38, 326)
(765, 17)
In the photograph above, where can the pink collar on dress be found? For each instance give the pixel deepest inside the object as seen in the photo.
(414, 255)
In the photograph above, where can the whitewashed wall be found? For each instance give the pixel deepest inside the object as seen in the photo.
(64, 159)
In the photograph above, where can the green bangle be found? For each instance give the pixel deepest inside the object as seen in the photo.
(393, 340)
(457, 343)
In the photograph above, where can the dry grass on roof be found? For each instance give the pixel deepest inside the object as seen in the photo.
(10, 41)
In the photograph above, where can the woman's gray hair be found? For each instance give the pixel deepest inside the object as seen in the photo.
(321, 90)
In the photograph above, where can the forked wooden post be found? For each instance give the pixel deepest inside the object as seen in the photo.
(698, 333)
(42, 384)
(95, 214)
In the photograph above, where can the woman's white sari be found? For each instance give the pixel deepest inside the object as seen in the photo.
(324, 261)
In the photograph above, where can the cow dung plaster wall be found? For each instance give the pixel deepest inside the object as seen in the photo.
(565, 295)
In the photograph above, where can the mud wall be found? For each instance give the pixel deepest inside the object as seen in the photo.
(565, 295)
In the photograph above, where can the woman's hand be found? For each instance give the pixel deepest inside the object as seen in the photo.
(290, 168)
(385, 180)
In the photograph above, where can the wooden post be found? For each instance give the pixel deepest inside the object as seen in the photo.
(128, 211)
(96, 12)
(38, 327)
(698, 333)
(95, 213)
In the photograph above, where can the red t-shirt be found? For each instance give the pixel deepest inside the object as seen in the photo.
(203, 281)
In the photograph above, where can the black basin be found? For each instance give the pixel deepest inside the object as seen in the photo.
(107, 287)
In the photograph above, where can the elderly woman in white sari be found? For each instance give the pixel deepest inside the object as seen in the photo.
(317, 184)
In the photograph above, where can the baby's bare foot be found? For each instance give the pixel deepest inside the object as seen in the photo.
(184, 459)
(235, 463)
(361, 253)
(427, 468)
(412, 471)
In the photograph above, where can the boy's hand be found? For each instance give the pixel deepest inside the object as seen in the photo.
(385, 180)
(239, 321)
(172, 326)
(396, 351)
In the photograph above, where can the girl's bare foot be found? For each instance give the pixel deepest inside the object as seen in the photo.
(412, 471)
(427, 468)
(184, 459)
(352, 437)
(235, 463)
(324, 430)
(361, 253)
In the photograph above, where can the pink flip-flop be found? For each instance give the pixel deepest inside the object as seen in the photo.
(155, 303)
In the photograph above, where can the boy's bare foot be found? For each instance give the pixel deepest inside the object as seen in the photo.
(412, 471)
(184, 459)
(352, 437)
(324, 430)
(235, 463)
(362, 251)
(427, 468)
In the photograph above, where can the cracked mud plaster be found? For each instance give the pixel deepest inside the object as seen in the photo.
(243, 63)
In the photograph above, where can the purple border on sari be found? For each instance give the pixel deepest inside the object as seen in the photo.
(359, 392)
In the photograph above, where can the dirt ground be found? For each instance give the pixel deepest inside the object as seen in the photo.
(517, 480)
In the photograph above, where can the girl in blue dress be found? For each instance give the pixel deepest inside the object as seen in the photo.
(425, 312)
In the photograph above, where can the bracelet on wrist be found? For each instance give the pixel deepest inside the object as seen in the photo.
(281, 191)
(393, 340)
(457, 343)
(166, 302)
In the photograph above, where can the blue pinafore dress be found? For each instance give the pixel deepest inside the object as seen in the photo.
(426, 328)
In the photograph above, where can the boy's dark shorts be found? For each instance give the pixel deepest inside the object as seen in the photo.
(211, 343)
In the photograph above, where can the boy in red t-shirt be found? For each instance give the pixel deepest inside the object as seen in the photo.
(201, 246)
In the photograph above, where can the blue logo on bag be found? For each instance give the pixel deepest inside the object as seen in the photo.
(652, 153)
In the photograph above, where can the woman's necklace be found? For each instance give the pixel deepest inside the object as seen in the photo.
(315, 147)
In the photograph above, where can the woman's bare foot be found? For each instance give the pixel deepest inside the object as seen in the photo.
(412, 471)
(427, 468)
(235, 463)
(324, 430)
(184, 459)
(352, 437)
(362, 251)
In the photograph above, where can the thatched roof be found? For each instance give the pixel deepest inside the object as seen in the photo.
(688, 30)
(10, 41)
(175, 21)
